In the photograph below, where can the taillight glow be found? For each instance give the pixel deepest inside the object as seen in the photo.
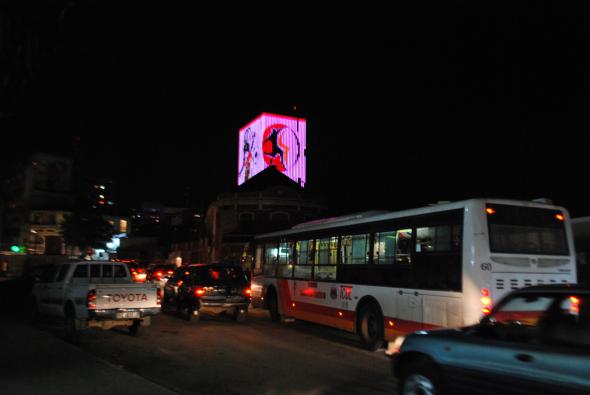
(159, 274)
(490, 211)
(292, 304)
(575, 305)
(560, 217)
(247, 292)
(91, 299)
(486, 301)
(199, 292)
(390, 323)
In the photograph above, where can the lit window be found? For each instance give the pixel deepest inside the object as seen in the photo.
(123, 226)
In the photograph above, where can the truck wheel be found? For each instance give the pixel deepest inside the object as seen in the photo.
(371, 326)
(70, 330)
(134, 328)
(186, 312)
(240, 314)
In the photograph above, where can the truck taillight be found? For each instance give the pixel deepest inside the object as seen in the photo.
(158, 296)
(91, 299)
(486, 301)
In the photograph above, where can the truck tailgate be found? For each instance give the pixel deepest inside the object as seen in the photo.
(126, 296)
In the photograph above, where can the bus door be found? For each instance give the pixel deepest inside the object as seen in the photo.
(409, 310)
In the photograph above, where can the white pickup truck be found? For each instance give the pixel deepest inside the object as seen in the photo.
(94, 294)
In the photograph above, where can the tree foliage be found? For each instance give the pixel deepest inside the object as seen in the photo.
(86, 230)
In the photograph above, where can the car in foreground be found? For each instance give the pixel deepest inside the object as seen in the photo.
(213, 288)
(535, 341)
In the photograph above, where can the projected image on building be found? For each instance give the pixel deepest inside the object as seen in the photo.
(272, 140)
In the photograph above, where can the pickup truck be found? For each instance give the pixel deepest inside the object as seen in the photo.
(88, 294)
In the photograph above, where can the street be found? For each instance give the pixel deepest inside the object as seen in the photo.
(218, 356)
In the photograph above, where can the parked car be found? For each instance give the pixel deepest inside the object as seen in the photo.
(94, 294)
(159, 274)
(215, 288)
(536, 340)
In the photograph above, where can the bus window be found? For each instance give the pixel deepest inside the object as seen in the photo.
(327, 251)
(433, 239)
(326, 259)
(384, 248)
(303, 259)
(285, 260)
(270, 259)
(403, 243)
(354, 249)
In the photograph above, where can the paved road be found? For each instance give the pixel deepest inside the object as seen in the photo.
(218, 356)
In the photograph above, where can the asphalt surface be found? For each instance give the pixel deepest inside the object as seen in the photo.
(214, 355)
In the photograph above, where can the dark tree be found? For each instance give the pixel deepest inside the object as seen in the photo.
(86, 230)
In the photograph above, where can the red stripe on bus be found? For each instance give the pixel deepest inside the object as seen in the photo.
(342, 319)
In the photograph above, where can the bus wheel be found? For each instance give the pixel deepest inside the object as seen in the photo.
(273, 306)
(371, 326)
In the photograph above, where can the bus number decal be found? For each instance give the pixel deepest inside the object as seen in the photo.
(345, 292)
(486, 266)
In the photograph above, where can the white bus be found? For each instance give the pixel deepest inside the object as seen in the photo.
(381, 275)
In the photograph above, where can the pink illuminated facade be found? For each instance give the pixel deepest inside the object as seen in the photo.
(272, 140)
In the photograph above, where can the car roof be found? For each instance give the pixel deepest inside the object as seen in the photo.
(555, 288)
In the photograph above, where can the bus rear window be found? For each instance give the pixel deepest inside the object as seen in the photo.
(526, 230)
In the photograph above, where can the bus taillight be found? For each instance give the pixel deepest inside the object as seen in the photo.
(486, 301)
(490, 211)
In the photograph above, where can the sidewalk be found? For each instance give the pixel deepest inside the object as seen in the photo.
(35, 362)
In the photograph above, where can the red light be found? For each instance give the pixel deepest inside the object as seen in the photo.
(91, 299)
(486, 301)
(292, 304)
(486, 310)
(247, 292)
(170, 272)
(390, 323)
(574, 300)
(159, 296)
(485, 292)
(179, 283)
(490, 211)
(560, 217)
(340, 314)
(159, 274)
(199, 292)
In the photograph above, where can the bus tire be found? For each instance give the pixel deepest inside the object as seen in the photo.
(371, 326)
(273, 306)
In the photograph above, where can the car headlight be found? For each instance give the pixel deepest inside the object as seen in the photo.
(395, 346)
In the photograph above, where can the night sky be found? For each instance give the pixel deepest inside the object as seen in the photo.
(404, 106)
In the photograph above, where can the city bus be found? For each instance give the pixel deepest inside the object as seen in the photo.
(385, 274)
